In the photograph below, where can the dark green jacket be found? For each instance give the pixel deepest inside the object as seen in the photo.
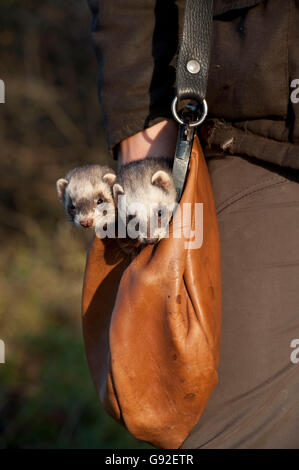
(254, 62)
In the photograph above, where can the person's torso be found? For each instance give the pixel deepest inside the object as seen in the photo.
(253, 71)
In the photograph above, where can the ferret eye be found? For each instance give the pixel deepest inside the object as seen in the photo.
(160, 213)
(72, 207)
(130, 217)
(100, 201)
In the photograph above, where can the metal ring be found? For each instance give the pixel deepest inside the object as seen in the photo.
(191, 124)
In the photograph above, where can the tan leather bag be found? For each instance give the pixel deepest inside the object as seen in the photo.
(152, 325)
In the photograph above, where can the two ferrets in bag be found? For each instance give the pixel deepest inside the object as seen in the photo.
(141, 196)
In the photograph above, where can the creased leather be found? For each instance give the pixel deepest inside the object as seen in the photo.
(152, 325)
(195, 45)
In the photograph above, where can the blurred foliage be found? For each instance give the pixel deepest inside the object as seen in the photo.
(51, 122)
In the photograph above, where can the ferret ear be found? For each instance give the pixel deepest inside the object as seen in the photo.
(161, 179)
(109, 178)
(61, 184)
(118, 190)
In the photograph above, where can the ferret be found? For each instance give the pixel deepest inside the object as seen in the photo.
(83, 192)
(150, 198)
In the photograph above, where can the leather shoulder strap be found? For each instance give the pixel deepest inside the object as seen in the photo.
(194, 53)
(191, 79)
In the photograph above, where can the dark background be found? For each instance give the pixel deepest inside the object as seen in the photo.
(50, 123)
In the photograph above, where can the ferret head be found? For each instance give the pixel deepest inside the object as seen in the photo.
(84, 190)
(149, 200)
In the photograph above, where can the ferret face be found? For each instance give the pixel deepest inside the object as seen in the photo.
(149, 200)
(86, 194)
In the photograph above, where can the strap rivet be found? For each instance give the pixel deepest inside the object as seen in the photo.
(193, 66)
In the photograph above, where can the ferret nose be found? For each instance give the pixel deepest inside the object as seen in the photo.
(86, 223)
